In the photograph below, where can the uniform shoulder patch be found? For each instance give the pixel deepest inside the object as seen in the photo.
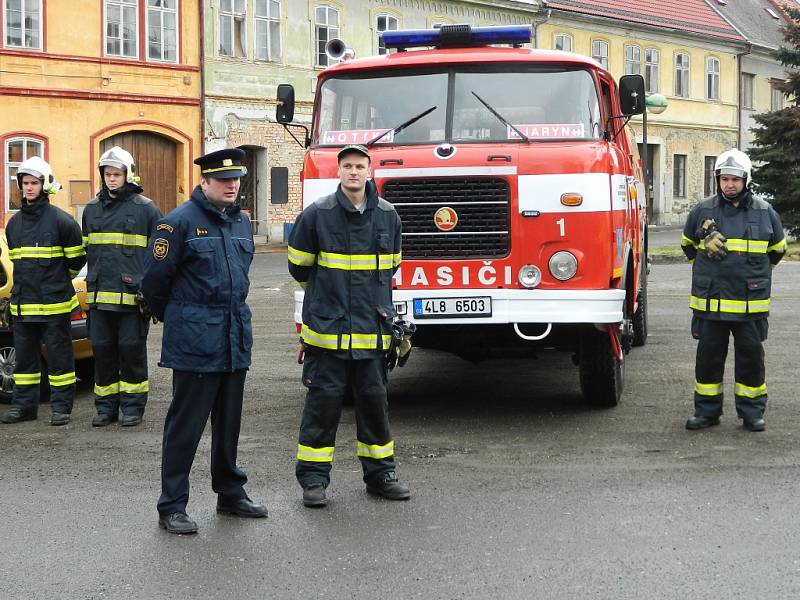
(165, 227)
(201, 231)
(160, 249)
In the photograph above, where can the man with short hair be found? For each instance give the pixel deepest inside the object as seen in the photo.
(44, 244)
(196, 282)
(344, 249)
(733, 240)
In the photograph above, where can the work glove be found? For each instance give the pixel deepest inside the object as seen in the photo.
(714, 243)
(144, 310)
(400, 348)
(404, 351)
(5, 313)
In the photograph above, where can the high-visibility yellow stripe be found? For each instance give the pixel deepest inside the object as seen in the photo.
(36, 252)
(685, 241)
(111, 298)
(729, 306)
(375, 450)
(309, 454)
(74, 251)
(57, 308)
(358, 262)
(300, 258)
(119, 238)
(134, 388)
(106, 390)
(708, 389)
(750, 392)
(779, 247)
(331, 341)
(62, 380)
(321, 340)
(27, 378)
(749, 246)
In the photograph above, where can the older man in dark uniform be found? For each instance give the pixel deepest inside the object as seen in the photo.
(196, 282)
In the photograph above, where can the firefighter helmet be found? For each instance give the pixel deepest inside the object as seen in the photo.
(734, 162)
(121, 159)
(37, 167)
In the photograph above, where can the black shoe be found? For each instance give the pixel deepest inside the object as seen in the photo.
(179, 523)
(314, 496)
(59, 418)
(104, 420)
(243, 508)
(701, 422)
(755, 425)
(16, 415)
(130, 421)
(386, 485)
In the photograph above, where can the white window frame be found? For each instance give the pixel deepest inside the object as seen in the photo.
(163, 11)
(633, 56)
(121, 4)
(597, 52)
(564, 40)
(777, 99)
(234, 16)
(679, 175)
(380, 48)
(11, 180)
(712, 78)
(682, 75)
(23, 12)
(748, 91)
(317, 25)
(267, 20)
(652, 59)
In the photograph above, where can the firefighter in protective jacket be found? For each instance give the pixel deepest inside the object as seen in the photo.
(734, 240)
(344, 249)
(116, 229)
(44, 244)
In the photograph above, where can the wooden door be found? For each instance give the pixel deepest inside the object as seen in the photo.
(155, 158)
(247, 190)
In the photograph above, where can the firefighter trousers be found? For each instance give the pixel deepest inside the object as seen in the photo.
(195, 397)
(119, 344)
(56, 335)
(328, 380)
(750, 388)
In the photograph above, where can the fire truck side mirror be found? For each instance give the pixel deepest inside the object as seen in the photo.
(631, 94)
(284, 111)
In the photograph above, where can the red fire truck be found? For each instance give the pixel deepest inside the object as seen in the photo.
(518, 185)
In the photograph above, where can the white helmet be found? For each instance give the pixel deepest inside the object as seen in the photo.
(734, 162)
(121, 159)
(36, 167)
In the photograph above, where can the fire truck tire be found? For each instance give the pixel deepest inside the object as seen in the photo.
(640, 316)
(602, 376)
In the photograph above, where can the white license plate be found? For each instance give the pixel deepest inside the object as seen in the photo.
(434, 308)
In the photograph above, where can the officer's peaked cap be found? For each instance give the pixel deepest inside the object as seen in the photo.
(351, 148)
(223, 164)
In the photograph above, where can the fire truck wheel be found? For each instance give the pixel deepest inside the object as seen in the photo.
(602, 376)
(640, 316)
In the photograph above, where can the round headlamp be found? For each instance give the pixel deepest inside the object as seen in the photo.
(563, 265)
(529, 276)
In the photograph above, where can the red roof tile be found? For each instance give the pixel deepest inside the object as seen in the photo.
(693, 16)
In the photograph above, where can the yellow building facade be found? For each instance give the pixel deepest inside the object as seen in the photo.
(79, 77)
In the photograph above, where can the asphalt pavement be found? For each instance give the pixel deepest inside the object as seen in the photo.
(520, 489)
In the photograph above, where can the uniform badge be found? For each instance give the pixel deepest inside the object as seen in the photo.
(165, 227)
(160, 249)
(227, 162)
(201, 231)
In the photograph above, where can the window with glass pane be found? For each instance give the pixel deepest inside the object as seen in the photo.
(162, 30)
(16, 151)
(679, 175)
(600, 52)
(712, 79)
(326, 20)
(121, 18)
(268, 30)
(682, 75)
(748, 97)
(384, 23)
(651, 57)
(777, 99)
(232, 30)
(562, 41)
(23, 20)
(710, 186)
(633, 60)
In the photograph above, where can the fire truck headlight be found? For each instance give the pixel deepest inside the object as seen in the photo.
(529, 276)
(563, 265)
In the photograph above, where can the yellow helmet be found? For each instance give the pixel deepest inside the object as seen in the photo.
(37, 167)
(121, 159)
(734, 162)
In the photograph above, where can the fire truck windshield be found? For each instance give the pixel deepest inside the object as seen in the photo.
(543, 103)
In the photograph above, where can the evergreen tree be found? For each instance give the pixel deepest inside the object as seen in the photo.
(776, 146)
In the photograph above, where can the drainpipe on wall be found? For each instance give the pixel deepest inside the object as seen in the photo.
(536, 23)
(202, 81)
(741, 102)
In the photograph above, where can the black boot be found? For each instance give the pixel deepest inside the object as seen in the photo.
(755, 424)
(701, 422)
(314, 496)
(387, 486)
(16, 415)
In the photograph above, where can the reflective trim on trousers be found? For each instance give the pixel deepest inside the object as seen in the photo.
(750, 392)
(375, 450)
(134, 388)
(27, 378)
(62, 380)
(310, 454)
(708, 389)
(106, 390)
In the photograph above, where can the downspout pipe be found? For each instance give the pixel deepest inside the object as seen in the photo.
(536, 22)
(202, 38)
(739, 133)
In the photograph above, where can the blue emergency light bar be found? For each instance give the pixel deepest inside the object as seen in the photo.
(457, 36)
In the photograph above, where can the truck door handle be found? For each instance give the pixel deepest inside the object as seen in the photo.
(504, 157)
(391, 161)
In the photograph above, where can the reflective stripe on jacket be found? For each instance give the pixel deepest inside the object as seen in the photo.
(346, 260)
(738, 286)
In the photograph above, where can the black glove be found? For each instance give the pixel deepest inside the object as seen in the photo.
(5, 313)
(400, 347)
(144, 310)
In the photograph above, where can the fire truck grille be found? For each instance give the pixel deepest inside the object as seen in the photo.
(481, 203)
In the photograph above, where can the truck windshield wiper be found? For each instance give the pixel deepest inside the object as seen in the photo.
(400, 128)
(500, 117)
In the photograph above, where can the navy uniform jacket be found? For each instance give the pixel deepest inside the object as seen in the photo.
(736, 288)
(346, 260)
(196, 281)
